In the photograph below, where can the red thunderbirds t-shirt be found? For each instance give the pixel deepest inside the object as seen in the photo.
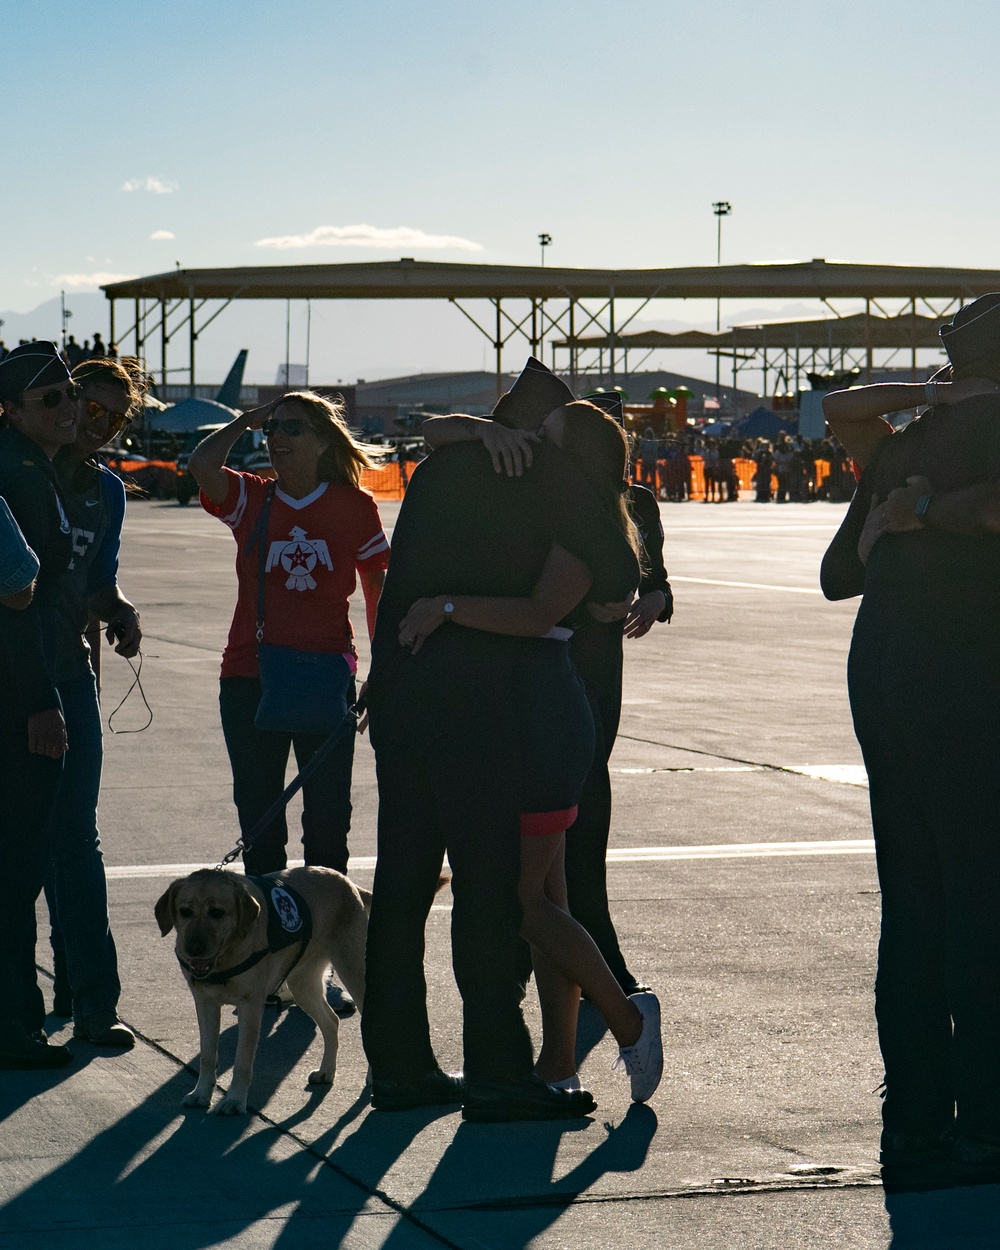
(313, 547)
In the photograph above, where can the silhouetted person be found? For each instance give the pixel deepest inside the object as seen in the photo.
(73, 352)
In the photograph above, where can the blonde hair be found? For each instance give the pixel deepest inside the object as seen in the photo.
(344, 458)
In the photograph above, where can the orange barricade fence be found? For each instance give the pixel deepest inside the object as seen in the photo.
(133, 466)
(745, 470)
(388, 482)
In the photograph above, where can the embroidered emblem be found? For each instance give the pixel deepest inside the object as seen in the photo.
(298, 558)
(285, 906)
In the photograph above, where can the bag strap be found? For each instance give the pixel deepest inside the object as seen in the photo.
(259, 537)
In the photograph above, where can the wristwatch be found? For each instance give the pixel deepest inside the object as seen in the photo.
(449, 607)
(920, 511)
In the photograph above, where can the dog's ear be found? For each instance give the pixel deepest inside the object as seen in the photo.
(165, 909)
(247, 909)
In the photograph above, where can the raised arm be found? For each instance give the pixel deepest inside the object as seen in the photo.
(857, 416)
(510, 450)
(207, 459)
(563, 583)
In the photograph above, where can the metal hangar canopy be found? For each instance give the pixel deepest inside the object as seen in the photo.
(557, 299)
(419, 279)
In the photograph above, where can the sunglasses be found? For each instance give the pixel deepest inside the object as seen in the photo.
(292, 426)
(52, 399)
(97, 412)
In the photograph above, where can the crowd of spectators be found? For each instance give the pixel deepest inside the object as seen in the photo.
(785, 468)
(74, 353)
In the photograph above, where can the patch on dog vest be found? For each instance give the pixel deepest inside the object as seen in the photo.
(288, 916)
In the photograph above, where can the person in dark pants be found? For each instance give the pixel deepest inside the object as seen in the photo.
(85, 959)
(921, 542)
(443, 727)
(556, 729)
(322, 532)
(596, 650)
(40, 415)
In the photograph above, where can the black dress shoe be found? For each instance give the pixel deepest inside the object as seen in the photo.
(435, 1089)
(916, 1162)
(529, 1098)
(976, 1160)
(32, 1052)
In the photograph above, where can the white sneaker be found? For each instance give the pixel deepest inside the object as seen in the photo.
(568, 1082)
(643, 1061)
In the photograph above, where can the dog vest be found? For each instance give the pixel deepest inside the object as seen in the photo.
(289, 921)
(288, 917)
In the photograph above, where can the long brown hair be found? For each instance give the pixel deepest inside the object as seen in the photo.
(598, 444)
(344, 458)
(126, 373)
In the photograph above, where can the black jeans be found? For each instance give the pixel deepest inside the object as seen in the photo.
(927, 715)
(29, 786)
(445, 753)
(259, 758)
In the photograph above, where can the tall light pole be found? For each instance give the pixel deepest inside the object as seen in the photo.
(721, 208)
(544, 241)
(64, 314)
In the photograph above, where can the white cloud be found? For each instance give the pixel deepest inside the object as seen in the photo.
(157, 185)
(163, 234)
(78, 281)
(397, 237)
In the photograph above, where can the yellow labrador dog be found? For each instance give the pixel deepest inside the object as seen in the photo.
(240, 938)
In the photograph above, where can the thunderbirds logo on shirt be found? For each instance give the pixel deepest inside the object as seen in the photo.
(298, 558)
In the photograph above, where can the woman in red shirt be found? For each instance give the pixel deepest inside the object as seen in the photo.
(322, 530)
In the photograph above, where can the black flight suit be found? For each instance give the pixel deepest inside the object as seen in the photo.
(444, 725)
(924, 680)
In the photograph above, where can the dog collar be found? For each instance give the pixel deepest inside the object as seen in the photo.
(289, 921)
(220, 978)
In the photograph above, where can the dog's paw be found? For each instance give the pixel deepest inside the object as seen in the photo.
(230, 1106)
(196, 1098)
(319, 1077)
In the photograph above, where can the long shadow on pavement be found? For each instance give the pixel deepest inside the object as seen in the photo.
(947, 1219)
(494, 1187)
(160, 1178)
(19, 1087)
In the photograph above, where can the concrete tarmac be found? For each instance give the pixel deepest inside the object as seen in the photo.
(744, 888)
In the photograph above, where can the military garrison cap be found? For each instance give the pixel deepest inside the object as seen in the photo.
(536, 391)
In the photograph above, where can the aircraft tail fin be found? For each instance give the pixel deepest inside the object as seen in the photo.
(229, 392)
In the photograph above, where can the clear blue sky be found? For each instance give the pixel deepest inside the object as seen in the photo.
(839, 128)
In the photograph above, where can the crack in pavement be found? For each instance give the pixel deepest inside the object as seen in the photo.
(811, 1177)
(718, 755)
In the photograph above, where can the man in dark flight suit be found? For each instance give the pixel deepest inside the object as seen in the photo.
(443, 725)
(924, 682)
